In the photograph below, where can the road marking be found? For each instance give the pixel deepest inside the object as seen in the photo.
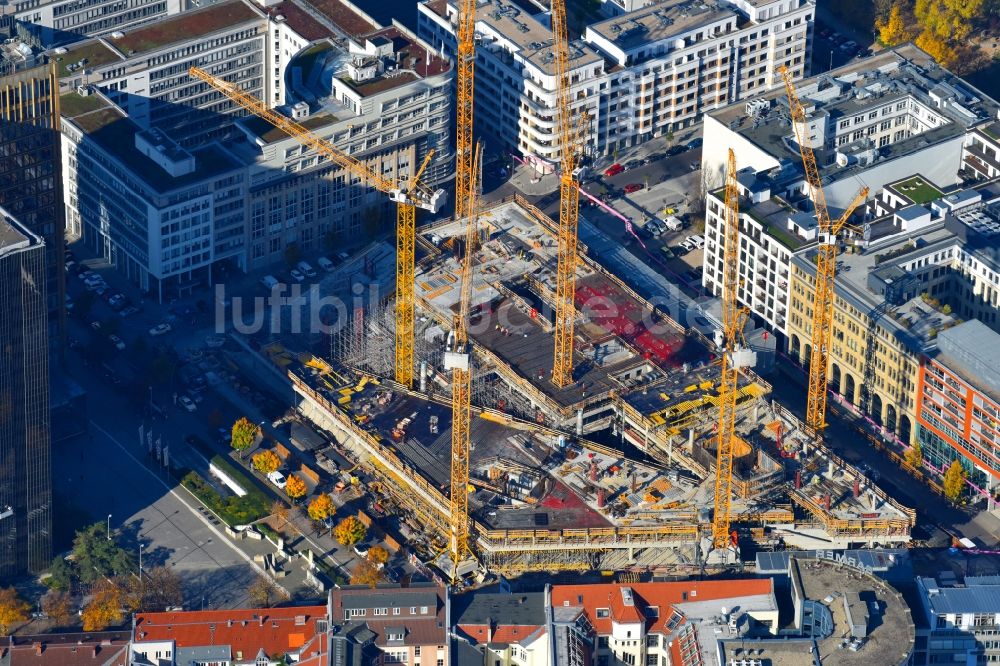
(200, 516)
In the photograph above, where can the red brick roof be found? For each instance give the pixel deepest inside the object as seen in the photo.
(662, 595)
(109, 648)
(276, 630)
(504, 634)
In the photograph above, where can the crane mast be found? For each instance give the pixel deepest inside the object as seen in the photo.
(407, 197)
(826, 263)
(732, 358)
(569, 206)
(457, 357)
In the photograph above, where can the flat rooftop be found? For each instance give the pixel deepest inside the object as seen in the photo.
(916, 189)
(13, 236)
(186, 27)
(351, 22)
(83, 56)
(115, 134)
(532, 38)
(970, 350)
(772, 214)
(874, 81)
(661, 20)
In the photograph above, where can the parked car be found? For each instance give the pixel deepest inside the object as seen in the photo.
(306, 269)
(269, 282)
(187, 403)
(681, 250)
(633, 164)
(297, 275)
(697, 240)
(614, 170)
(160, 329)
(695, 165)
(343, 256)
(633, 187)
(118, 343)
(694, 143)
(675, 150)
(361, 549)
(325, 264)
(277, 478)
(96, 325)
(128, 311)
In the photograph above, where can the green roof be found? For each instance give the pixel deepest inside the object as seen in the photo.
(72, 104)
(917, 189)
(269, 133)
(185, 27)
(92, 54)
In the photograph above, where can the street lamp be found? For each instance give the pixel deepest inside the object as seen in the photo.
(109, 527)
(140, 562)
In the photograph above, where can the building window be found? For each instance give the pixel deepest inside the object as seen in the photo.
(423, 610)
(395, 611)
(380, 611)
(603, 613)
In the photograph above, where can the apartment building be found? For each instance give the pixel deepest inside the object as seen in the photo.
(961, 621)
(25, 433)
(981, 154)
(165, 214)
(389, 625)
(958, 404)
(647, 73)
(145, 71)
(869, 123)
(922, 269)
(54, 22)
(505, 629)
(651, 623)
(234, 637)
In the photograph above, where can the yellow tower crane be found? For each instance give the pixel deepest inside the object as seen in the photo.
(458, 355)
(408, 198)
(569, 206)
(826, 262)
(733, 357)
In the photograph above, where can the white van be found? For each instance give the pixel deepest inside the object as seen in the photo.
(269, 282)
(673, 223)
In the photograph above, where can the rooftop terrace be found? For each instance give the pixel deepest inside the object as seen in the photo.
(661, 20)
(85, 55)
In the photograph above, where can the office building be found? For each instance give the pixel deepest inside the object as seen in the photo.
(647, 73)
(958, 404)
(25, 444)
(164, 213)
(144, 71)
(960, 620)
(30, 183)
(54, 22)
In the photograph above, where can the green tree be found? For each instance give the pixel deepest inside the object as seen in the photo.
(893, 30)
(350, 531)
(97, 557)
(13, 609)
(914, 456)
(954, 481)
(62, 574)
(243, 434)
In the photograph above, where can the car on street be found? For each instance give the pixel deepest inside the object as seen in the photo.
(343, 256)
(695, 165)
(681, 250)
(277, 478)
(187, 403)
(96, 325)
(128, 311)
(614, 170)
(307, 270)
(694, 143)
(325, 264)
(296, 275)
(633, 187)
(118, 343)
(633, 164)
(361, 549)
(675, 150)
(697, 241)
(160, 329)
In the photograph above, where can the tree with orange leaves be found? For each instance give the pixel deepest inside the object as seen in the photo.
(105, 606)
(295, 487)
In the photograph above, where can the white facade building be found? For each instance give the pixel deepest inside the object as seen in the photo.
(644, 74)
(62, 21)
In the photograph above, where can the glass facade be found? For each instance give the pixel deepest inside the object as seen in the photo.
(30, 167)
(25, 450)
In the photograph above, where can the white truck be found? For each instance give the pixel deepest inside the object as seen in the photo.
(673, 223)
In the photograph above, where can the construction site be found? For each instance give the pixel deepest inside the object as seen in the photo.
(615, 471)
